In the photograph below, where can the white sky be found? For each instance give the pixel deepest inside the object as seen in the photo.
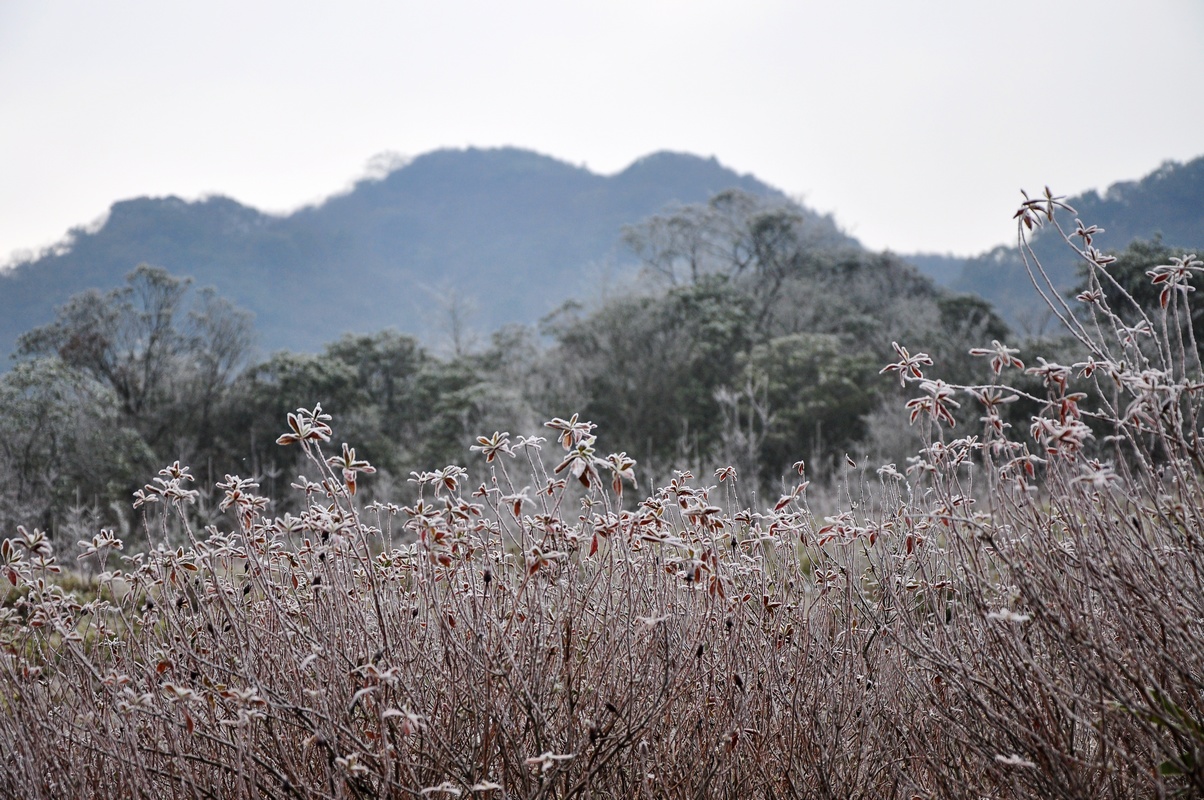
(916, 123)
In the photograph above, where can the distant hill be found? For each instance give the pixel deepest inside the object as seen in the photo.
(1167, 203)
(513, 232)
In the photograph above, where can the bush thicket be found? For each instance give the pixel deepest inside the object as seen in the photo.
(1016, 612)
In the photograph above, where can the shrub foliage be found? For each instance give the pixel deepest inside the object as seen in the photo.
(1017, 612)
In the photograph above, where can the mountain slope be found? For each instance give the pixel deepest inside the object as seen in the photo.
(512, 232)
(1167, 203)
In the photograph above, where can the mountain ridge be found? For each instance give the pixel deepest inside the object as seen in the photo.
(482, 220)
(507, 234)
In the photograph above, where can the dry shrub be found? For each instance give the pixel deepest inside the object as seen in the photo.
(1012, 615)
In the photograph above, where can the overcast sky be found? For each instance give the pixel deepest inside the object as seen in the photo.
(916, 123)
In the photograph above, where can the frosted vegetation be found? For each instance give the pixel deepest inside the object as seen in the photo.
(1014, 610)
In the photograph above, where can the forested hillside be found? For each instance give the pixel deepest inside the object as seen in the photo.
(507, 234)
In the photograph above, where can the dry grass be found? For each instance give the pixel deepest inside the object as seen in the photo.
(1016, 616)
